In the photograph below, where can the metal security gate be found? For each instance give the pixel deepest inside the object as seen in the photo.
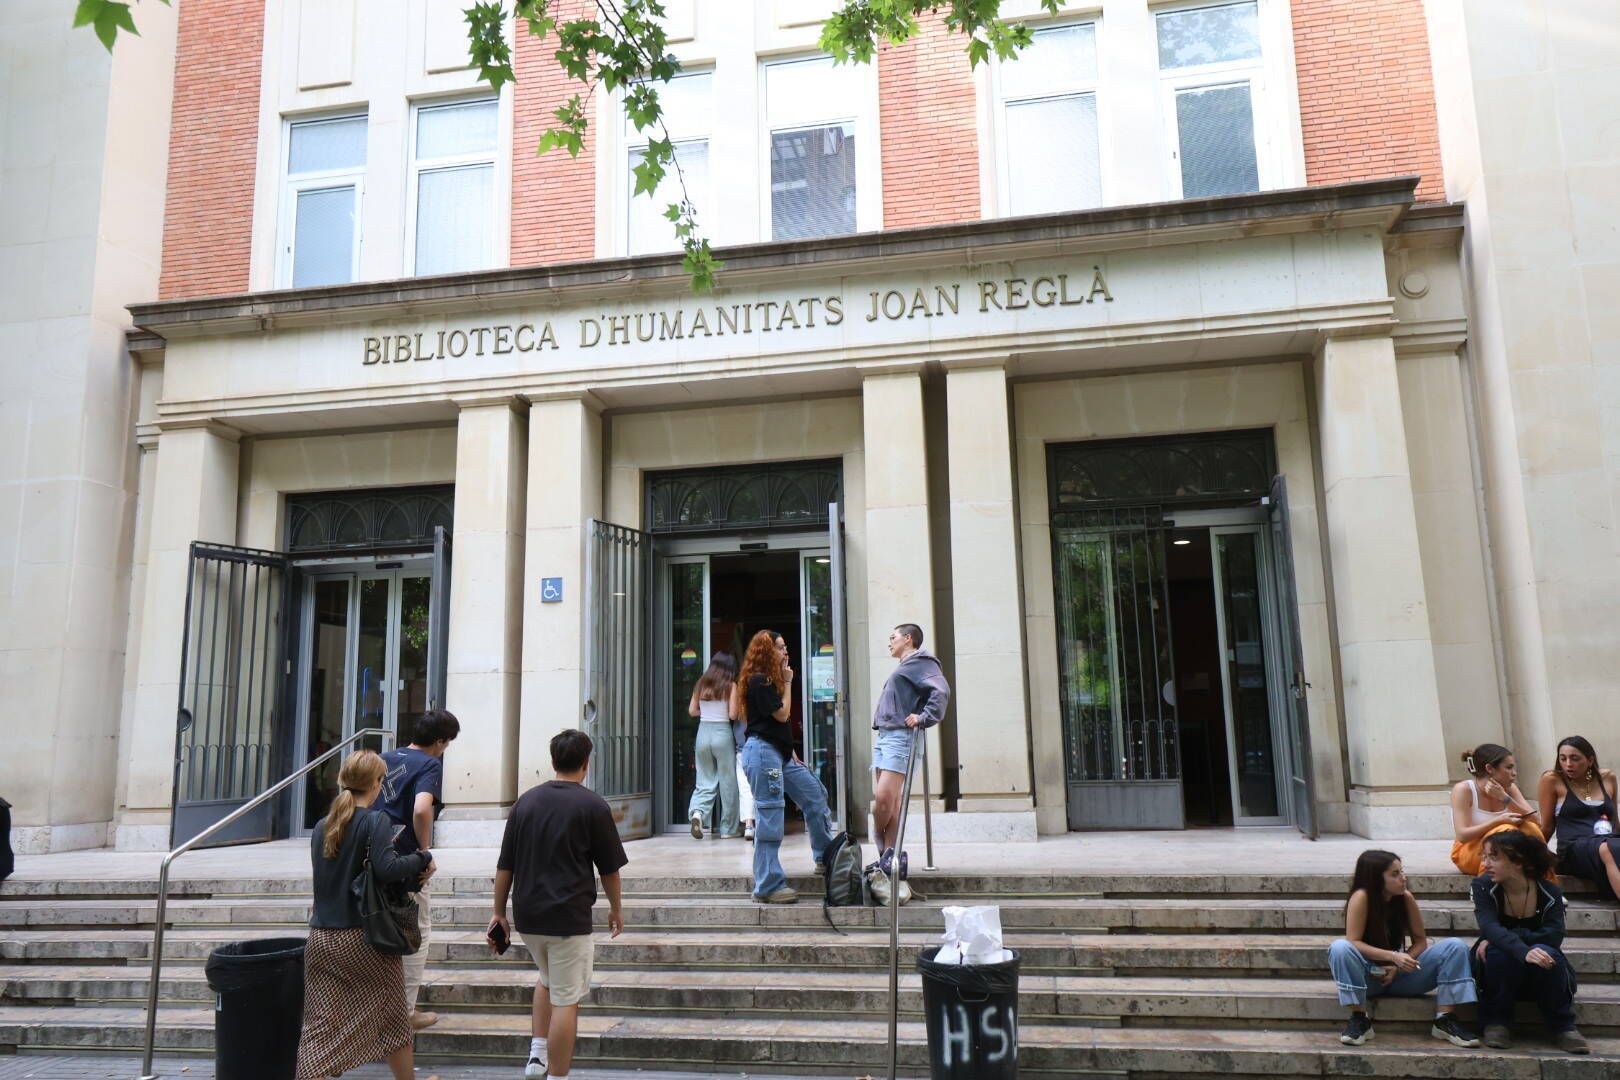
(1291, 662)
(229, 742)
(618, 661)
(1119, 730)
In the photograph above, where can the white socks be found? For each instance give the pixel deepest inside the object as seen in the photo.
(537, 1048)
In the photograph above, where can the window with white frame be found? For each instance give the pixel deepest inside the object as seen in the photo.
(687, 110)
(1212, 71)
(811, 111)
(1050, 159)
(453, 181)
(320, 232)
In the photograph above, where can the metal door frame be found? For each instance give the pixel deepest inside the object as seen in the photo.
(671, 550)
(354, 571)
(663, 679)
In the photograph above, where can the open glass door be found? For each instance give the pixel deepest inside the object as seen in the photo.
(822, 751)
(687, 652)
(1291, 687)
(1249, 674)
(840, 637)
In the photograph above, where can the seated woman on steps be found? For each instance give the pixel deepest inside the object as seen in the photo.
(1578, 805)
(1488, 802)
(1521, 927)
(1385, 951)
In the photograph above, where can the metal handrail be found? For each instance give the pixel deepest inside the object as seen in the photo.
(163, 879)
(919, 736)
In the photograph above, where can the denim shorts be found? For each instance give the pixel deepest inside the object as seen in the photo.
(891, 748)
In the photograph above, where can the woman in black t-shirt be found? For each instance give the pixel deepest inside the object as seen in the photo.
(763, 696)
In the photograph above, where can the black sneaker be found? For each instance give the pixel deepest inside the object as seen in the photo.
(1450, 1029)
(1358, 1030)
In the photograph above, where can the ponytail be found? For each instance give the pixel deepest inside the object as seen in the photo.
(360, 771)
(1483, 756)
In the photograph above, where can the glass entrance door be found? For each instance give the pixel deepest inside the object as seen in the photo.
(364, 665)
(819, 684)
(1250, 672)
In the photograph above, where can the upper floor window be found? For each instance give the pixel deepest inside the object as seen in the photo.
(811, 109)
(453, 201)
(320, 236)
(686, 104)
(1211, 68)
(1050, 159)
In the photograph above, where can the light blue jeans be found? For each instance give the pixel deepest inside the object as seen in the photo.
(771, 778)
(1443, 968)
(716, 774)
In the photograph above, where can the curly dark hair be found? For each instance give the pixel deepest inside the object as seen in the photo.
(1524, 851)
(762, 659)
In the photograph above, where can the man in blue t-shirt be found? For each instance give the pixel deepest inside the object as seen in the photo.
(413, 795)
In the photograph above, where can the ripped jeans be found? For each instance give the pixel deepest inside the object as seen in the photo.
(770, 778)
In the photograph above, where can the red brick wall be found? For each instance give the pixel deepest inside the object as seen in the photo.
(553, 195)
(1366, 92)
(213, 146)
(929, 129)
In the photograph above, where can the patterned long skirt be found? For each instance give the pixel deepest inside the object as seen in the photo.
(354, 1004)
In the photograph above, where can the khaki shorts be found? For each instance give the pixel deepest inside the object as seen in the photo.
(565, 965)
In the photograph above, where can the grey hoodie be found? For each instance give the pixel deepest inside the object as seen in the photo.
(916, 686)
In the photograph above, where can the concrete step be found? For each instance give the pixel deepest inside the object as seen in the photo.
(838, 1045)
(1596, 959)
(1180, 915)
(944, 883)
(1051, 999)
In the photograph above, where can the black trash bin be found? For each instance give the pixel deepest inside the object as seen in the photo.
(972, 1016)
(258, 1007)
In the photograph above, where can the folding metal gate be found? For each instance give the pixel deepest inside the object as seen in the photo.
(618, 708)
(1122, 747)
(229, 743)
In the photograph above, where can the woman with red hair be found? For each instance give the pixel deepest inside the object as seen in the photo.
(763, 696)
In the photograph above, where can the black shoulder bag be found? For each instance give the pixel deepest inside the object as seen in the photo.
(387, 910)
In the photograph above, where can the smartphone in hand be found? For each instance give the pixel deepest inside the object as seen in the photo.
(496, 935)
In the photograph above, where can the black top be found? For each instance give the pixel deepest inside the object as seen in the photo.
(761, 701)
(1578, 819)
(557, 832)
(336, 906)
(410, 773)
(1518, 935)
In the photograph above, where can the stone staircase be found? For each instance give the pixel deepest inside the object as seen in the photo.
(1140, 976)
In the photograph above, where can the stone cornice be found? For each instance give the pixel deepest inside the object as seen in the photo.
(1380, 204)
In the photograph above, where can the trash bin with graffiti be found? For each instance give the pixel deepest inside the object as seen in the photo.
(972, 1016)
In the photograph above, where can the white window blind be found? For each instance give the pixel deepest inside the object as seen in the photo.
(686, 104)
(326, 160)
(454, 205)
(1210, 59)
(1051, 159)
(812, 107)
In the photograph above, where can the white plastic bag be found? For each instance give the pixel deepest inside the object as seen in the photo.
(972, 936)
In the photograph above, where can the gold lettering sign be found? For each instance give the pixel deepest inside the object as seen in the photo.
(716, 320)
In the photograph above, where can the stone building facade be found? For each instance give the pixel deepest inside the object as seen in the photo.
(1195, 383)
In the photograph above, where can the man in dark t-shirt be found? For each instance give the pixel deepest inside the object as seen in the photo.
(559, 836)
(413, 796)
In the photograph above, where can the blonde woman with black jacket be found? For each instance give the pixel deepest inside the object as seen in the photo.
(354, 996)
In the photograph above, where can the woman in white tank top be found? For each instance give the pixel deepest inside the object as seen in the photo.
(716, 750)
(1489, 801)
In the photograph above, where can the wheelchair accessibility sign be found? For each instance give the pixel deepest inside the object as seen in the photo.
(551, 590)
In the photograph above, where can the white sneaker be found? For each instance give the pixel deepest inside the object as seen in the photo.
(534, 1070)
(697, 826)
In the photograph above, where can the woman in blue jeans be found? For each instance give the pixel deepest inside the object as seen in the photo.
(1385, 951)
(764, 694)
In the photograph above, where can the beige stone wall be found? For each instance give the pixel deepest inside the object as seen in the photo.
(1526, 101)
(776, 431)
(1161, 403)
(278, 466)
(82, 172)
